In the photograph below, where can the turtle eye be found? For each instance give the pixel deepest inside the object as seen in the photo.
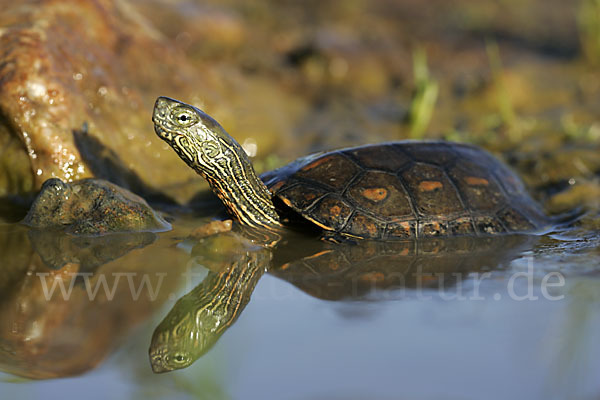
(184, 117)
(179, 358)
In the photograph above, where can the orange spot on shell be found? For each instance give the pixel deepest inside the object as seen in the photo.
(372, 229)
(375, 194)
(276, 187)
(476, 181)
(428, 186)
(335, 211)
(406, 227)
(316, 163)
(320, 224)
(287, 202)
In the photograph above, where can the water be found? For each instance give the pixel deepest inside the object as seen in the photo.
(525, 329)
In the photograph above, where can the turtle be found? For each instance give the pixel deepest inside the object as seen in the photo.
(363, 270)
(386, 191)
(383, 210)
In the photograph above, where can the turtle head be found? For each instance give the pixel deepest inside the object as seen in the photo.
(181, 339)
(196, 137)
(204, 145)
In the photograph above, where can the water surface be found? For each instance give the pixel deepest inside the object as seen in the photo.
(495, 333)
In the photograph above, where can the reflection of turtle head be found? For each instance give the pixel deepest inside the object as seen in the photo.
(182, 337)
(200, 317)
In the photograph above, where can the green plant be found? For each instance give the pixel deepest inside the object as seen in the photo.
(424, 97)
(588, 20)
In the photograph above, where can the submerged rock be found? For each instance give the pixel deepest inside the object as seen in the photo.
(57, 249)
(92, 206)
(67, 302)
(64, 322)
(17, 253)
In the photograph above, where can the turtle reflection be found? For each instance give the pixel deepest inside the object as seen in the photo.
(337, 272)
(200, 317)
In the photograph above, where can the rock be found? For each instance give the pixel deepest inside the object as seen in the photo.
(92, 206)
(79, 296)
(65, 64)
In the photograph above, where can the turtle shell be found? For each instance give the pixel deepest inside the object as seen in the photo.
(407, 190)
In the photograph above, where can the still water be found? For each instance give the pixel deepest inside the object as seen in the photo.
(525, 329)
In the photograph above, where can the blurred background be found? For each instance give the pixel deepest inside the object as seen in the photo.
(287, 78)
(78, 80)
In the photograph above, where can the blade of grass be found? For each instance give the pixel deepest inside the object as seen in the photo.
(588, 22)
(424, 97)
(507, 112)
